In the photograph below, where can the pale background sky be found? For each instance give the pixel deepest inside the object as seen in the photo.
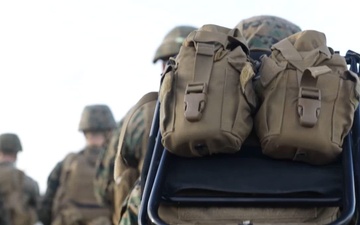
(58, 56)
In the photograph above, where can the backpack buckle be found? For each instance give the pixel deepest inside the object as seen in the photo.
(195, 100)
(309, 105)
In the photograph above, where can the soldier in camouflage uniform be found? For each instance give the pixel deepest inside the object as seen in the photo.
(104, 182)
(135, 141)
(260, 32)
(70, 198)
(10, 145)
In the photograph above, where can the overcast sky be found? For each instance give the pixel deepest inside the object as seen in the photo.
(58, 56)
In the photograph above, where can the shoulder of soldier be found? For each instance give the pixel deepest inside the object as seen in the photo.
(12, 171)
(72, 155)
(70, 158)
(30, 180)
(56, 172)
(145, 102)
(31, 185)
(144, 113)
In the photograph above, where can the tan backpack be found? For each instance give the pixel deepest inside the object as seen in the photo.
(203, 105)
(14, 209)
(308, 100)
(75, 201)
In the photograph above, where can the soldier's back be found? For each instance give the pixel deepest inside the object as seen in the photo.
(75, 200)
(19, 196)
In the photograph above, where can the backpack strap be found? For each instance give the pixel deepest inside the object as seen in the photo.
(151, 96)
(59, 202)
(66, 167)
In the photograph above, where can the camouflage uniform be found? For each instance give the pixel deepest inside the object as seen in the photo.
(107, 190)
(133, 152)
(95, 118)
(136, 138)
(260, 32)
(104, 181)
(10, 143)
(130, 210)
(31, 187)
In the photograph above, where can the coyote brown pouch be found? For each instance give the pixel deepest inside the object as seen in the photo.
(308, 99)
(207, 96)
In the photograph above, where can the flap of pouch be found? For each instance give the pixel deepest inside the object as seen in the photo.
(269, 69)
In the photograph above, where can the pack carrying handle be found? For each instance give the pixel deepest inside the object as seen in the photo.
(209, 37)
(309, 102)
(231, 38)
(66, 167)
(234, 37)
(292, 55)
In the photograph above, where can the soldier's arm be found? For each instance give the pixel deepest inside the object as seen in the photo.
(47, 200)
(133, 141)
(130, 208)
(103, 178)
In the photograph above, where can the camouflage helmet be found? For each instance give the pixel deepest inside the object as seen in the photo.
(261, 32)
(10, 143)
(97, 118)
(172, 42)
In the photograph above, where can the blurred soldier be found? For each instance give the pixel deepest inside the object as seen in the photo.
(171, 43)
(260, 32)
(137, 132)
(19, 194)
(69, 198)
(107, 191)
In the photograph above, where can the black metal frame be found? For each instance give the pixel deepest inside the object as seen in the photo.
(157, 158)
(353, 59)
